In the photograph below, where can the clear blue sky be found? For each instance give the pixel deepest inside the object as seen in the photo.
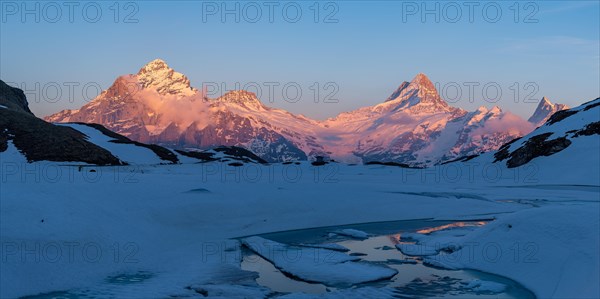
(372, 48)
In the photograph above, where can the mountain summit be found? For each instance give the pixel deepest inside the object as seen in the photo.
(153, 66)
(419, 95)
(414, 126)
(159, 76)
(544, 110)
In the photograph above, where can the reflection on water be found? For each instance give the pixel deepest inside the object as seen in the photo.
(274, 279)
(418, 279)
(414, 279)
(452, 225)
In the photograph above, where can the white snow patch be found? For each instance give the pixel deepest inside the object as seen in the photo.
(329, 267)
(485, 286)
(417, 249)
(129, 153)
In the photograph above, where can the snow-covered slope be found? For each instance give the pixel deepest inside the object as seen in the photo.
(574, 131)
(129, 153)
(545, 234)
(552, 250)
(564, 150)
(177, 224)
(414, 125)
(544, 110)
(126, 151)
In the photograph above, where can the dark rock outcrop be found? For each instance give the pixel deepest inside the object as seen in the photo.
(240, 153)
(42, 141)
(460, 159)
(503, 152)
(590, 129)
(402, 165)
(535, 147)
(560, 115)
(13, 98)
(565, 130)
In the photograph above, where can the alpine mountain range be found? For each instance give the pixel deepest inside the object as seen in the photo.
(413, 126)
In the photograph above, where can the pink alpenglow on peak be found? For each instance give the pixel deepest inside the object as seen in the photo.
(159, 76)
(544, 110)
(420, 95)
(414, 125)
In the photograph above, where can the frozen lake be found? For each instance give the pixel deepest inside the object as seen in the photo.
(414, 278)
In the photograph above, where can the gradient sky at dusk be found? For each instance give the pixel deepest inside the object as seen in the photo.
(367, 53)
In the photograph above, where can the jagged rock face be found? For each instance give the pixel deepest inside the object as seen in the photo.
(13, 98)
(229, 129)
(121, 112)
(159, 76)
(545, 110)
(419, 95)
(413, 126)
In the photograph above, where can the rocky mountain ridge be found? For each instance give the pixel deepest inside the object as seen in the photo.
(414, 125)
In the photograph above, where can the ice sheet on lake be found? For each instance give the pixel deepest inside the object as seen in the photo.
(231, 291)
(331, 246)
(485, 286)
(354, 233)
(437, 263)
(417, 249)
(355, 293)
(329, 267)
(400, 262)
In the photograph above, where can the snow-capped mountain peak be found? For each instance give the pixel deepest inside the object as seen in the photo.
(418, 96)
(159, 76)
(153, 66)
(423, 81)
(544, 110)
(495, 110)
(415, 126)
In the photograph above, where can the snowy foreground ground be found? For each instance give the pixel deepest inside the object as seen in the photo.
(63, 229)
